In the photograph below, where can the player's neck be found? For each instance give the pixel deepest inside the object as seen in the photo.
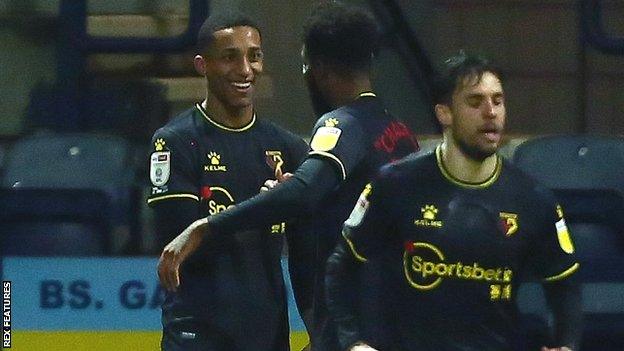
(231, 117)
(346, 90)
(465, 168)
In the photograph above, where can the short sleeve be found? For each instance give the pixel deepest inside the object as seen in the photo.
(171, 169)
(340, 138)
(369, 223)
(554, 253)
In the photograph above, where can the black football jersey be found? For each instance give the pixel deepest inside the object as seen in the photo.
(235, 286)
(358, 138)
(454, 253)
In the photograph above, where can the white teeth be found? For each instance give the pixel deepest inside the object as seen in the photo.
(242, 85)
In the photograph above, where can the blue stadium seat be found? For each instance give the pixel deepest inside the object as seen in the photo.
(91, 162)
(587, 175)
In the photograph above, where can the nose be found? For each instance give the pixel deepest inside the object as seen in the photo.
(245, 67)
(489, 109)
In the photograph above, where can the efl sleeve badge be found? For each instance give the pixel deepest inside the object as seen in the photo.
(160, 167)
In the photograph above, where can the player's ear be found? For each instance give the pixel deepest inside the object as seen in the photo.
(444, 115)
(320, 69)
(200, 65)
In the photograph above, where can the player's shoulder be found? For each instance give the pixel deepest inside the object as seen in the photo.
(526, 184)
(410, 168)
(277, 131)
(337, 118)
(180, 125)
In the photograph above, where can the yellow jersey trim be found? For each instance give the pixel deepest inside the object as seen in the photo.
(353, 250)
(489, 181)
(563, 274)
(367, 93)
(221, 126)
(328, 155)
(173, 196)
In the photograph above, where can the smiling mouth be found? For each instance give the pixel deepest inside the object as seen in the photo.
(241, 86)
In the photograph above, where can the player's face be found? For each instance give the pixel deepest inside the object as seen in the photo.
(314, 83)
(232, 64)
(478, 115)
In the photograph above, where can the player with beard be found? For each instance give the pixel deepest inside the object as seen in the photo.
(354, 136)
(206, 159)
(455, 231)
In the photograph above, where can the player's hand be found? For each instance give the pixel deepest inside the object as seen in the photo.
(282, 177)
(272, 183)
(269, 184)
(562, 348)
(361, 347)
(177, 251)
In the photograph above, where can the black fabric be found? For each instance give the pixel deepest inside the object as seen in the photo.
(235, 288)
(564, 299)
(294, 198)
(453, 254)
(172, 217)
(342, 299)
(356, 140)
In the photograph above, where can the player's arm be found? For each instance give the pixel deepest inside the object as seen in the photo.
(173, 192)
(362, 237)
(555, 263)
(334, 154)
(296, 197)
(340, 280)
(564, 299)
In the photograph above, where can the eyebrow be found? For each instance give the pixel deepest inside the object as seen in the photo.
(478, 95)
(237, 49)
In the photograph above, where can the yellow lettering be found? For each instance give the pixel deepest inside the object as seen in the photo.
(441, 269)
(214, 207)
(428, 268)
(213, 168)
(459, 269)
(507, 275)
(477, 272)
(416, 265)
(467, 272)
(499, 272)
(506, 292)
(495, 292)
(489, 274)
(450, 269)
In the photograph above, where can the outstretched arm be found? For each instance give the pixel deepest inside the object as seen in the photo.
(296, 197)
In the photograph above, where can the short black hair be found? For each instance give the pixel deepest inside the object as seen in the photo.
(220, 20)
(456, 69)
(341, 35)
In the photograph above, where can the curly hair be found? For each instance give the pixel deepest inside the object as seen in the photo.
(341, 35)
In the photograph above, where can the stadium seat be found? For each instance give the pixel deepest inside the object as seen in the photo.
(90, 162)
(587, 175)
(50, 222)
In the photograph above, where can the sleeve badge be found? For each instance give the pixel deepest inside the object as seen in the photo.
(326, 137)
(160, 167)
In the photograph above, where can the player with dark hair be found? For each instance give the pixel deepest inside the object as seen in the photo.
(354, 136)
(205, 160)
(455, 231)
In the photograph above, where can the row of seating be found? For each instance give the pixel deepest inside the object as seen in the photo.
(587, 175)
(69, 194)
